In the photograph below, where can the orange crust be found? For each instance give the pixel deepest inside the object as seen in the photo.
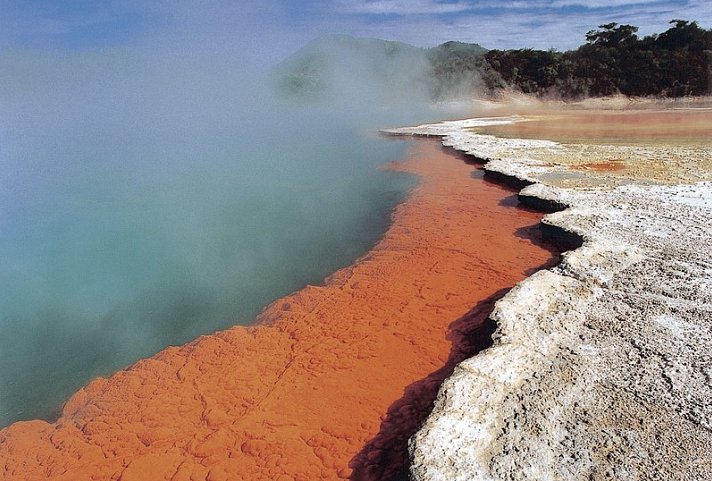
(331, 381)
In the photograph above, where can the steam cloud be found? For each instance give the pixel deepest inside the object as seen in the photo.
(158, 190)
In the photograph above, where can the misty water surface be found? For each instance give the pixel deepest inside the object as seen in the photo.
(146, 199)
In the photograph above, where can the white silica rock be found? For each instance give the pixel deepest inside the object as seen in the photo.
(601, 367)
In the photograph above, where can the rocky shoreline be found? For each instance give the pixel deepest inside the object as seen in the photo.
(332, 380)
(601, 366)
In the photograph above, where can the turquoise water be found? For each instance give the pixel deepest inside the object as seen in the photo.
(140, 210)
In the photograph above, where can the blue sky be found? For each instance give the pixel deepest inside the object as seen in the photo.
(277, 27)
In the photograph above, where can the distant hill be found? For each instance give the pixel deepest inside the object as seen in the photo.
(452, 49)
(334, 65)
(458, 69)
(614, 60)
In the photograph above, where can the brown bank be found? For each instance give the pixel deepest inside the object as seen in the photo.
(333, 379)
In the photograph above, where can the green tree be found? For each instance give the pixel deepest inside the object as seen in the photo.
(612, 35)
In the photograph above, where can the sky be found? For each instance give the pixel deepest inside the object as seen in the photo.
(272, 29)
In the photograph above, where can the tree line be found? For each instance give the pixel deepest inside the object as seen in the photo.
(674, 63)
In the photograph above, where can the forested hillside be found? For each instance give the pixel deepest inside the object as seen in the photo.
(613, 60)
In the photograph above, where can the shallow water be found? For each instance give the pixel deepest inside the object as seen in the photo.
(692, 126)
(341, 375)
(133, 219)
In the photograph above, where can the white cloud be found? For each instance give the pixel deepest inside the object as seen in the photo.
(600, 3)
(271, 29)
(540, 24)
(403, 7)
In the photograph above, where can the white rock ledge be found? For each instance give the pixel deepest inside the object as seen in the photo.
(601, 367)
